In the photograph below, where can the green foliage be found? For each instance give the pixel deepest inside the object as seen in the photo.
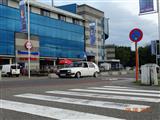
(124, 54)
(127, 57)
(145, 55)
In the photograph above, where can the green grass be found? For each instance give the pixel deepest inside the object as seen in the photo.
(139, 83)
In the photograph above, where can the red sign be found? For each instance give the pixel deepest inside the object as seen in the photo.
(136, 35)
(32, 59)
(28, 45)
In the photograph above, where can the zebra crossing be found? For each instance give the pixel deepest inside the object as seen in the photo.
(85, 98)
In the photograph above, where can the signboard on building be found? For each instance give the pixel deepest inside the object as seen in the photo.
(22, 15)
(146, 6)
(92, 29)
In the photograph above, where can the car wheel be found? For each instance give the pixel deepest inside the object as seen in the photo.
(17, 75)
(60, 76)
(78, 75)
(95, 74)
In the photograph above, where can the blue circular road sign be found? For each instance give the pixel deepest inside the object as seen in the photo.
(136, 35)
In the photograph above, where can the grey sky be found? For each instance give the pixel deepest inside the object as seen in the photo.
(124, 16)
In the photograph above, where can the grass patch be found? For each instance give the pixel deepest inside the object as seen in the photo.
(139, 83)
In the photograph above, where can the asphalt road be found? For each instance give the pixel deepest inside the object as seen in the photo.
(75, 99)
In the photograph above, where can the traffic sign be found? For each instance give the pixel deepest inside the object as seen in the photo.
(28, 45)
(136, 35)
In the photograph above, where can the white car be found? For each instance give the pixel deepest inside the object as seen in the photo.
(10, 70)
(79, 69)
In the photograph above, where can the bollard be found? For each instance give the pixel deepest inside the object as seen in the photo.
(0, 76)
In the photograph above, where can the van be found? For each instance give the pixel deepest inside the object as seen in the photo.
(105, 66)
(10, 70)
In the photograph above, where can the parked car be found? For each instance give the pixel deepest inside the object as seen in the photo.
(79, 69)
(10, 70)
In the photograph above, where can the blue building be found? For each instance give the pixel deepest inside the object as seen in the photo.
(55, 33)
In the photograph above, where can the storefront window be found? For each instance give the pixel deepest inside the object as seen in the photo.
(45, 13)
(62, 17)
(4, 2)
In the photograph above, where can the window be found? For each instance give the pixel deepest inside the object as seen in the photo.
(85, 65)
(45, 13)
(76, 21)
(62, 17)
(4, 2)
(91, 65)
(27, 8)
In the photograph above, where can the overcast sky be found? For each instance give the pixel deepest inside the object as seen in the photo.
(124, 16)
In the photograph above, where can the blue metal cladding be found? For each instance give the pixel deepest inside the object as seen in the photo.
(57, 38)
(70, 8)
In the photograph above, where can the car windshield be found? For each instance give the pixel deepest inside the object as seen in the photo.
(15, 67)
(76, 64)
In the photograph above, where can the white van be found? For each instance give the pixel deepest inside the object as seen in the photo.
(10, 70)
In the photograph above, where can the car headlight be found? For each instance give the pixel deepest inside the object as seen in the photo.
(69, 71)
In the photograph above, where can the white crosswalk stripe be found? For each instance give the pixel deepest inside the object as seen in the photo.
(50, 112)
(116, 92)
(116, 86)
(71, 97)
(93, 95)
(128, 90)
(103, 104)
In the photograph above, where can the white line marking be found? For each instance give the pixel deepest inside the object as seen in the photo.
(116, 87)
(144, 99)
(113, 105)
(128, 90)
(50, 112)
(116, 92)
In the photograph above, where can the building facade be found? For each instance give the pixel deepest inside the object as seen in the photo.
(93, 18)
(110, 52)
(54, 34)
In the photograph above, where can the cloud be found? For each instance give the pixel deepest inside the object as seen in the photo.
(123, 17)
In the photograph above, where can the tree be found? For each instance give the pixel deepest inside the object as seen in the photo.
(127, 57)
(124, 54)
(145, 55)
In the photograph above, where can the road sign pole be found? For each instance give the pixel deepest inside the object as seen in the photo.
(137, 62)
(135, 36)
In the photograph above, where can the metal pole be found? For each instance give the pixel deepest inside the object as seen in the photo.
(158, 11)
(29, 62)
(52, 3)
(97, 42)
(156, 52)
(137, 62)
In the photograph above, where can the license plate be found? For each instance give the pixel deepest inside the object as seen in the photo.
(63, 74)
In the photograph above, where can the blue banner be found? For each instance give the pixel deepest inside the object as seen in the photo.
(22, 15)
(146, 6)
(26, 53)
(92, 29)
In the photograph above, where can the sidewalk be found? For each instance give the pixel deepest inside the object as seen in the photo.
(20, 78)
